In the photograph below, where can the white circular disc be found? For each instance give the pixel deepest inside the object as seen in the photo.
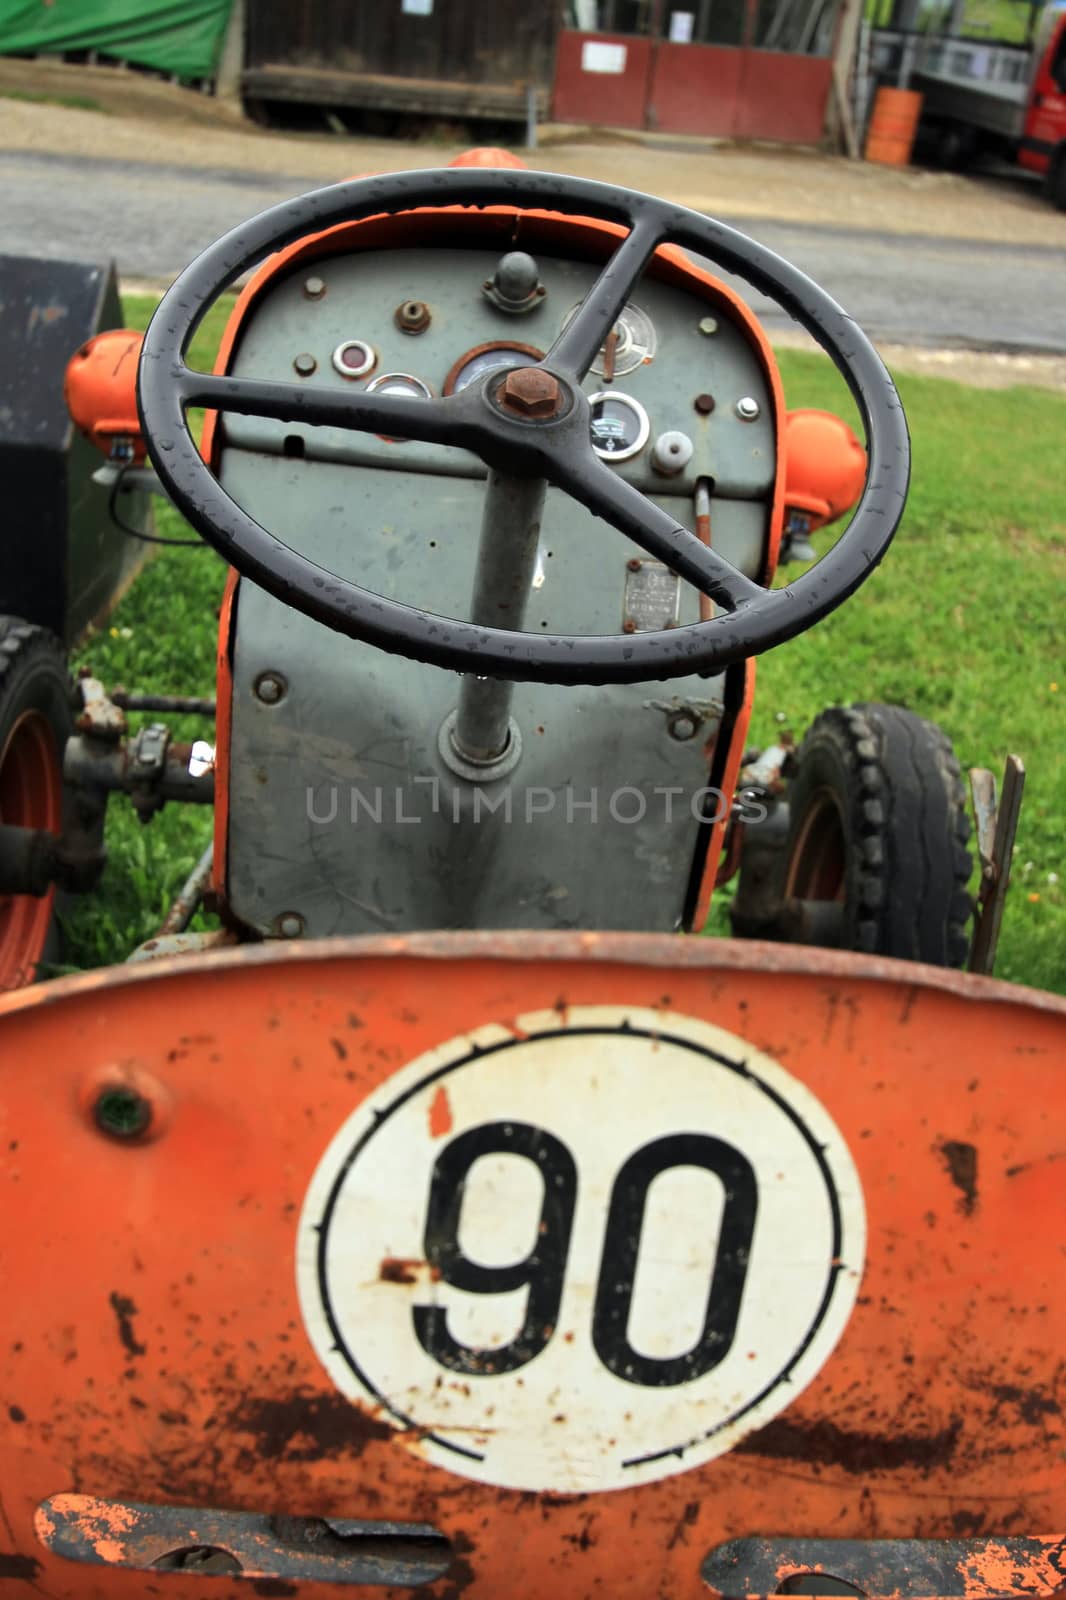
(582, 1253)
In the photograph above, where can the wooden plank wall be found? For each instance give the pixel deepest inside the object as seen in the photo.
(460, 41)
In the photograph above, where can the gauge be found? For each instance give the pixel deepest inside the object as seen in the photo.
(354, 358)
(618, 425)
(486, 358)
(635, 343)
(400, 383)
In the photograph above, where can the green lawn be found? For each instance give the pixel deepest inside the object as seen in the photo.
(962, 623)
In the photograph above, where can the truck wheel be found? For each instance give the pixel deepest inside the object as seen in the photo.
(36, 720)
(878, 824)
(1056, 179)
(956, 146)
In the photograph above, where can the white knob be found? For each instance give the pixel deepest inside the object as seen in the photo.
(672, 452)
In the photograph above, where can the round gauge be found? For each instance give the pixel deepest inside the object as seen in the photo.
(487, 358)
(635, 342)
(401, 383)
(618, 425)
(354, 358)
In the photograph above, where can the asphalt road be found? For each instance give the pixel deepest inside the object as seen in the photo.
(907, 289)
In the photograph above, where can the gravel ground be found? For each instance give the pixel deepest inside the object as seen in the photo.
(149, 120)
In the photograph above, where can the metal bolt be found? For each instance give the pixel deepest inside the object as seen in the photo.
(704, 404)
(314, 288)
(290, 925)
(122, 1112)
(747, 409)
(412, 316)
(530, 392)
(270, 687)
(683, 724)
(708, 325)
(305, 364)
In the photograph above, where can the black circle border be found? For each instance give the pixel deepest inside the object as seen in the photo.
(477, 1053)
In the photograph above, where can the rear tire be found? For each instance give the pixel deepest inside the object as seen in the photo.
(878, 824)
(36, 719)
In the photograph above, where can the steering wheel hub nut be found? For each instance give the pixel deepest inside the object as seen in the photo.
(530, 392)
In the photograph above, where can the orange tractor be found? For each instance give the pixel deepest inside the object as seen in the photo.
(447, 1220)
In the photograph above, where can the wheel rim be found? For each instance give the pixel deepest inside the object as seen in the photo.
(818, 866)
(31, 796)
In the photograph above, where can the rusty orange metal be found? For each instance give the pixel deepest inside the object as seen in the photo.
(100, 389)
(159, 1130)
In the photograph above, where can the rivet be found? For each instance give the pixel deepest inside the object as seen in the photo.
(270, 687)
(314, 288)
(305, 364)
(629, 626)
(708, 325)
(633, 564)
(289, 925)
(704, 404)
(747, 409)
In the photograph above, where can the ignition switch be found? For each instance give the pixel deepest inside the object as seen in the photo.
(515, 286)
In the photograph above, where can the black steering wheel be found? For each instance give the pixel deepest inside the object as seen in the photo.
(539, 428)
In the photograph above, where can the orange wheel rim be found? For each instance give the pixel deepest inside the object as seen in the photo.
(818, 868)
(31, 796)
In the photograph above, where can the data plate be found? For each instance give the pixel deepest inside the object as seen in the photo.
(652, 597)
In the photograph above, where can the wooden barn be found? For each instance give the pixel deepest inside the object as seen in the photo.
(749, 69)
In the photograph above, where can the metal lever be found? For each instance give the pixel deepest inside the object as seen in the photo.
(996, 828)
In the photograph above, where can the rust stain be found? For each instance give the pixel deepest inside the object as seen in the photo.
(1033, 1405)
(307, 1426)
(441, 1120)
(125, 1311)
(400, 1269)
(960, 1159)
(824, 1444)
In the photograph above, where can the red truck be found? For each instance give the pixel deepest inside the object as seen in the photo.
(984, 98)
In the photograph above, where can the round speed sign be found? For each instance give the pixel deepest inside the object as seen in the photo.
(584, 1252)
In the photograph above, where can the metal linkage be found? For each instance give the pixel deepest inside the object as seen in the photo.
(175, 704)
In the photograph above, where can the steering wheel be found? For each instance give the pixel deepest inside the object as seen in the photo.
(539, 428)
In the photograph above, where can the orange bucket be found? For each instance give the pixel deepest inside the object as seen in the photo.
(893, 126)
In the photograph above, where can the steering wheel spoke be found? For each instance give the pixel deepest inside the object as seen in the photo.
(364, 411)
(575, 349)
(618, 502)
(538, 428)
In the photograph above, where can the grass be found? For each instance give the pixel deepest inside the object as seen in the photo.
(73, 102)
(962, 623)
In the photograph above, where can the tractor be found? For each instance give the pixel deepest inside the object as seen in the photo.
(451, 1217)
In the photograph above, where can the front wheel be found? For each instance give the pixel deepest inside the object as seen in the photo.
(878, 825)
(35, 723)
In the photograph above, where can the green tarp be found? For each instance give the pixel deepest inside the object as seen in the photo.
(179, 36)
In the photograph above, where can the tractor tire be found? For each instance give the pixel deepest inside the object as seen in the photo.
(36, 720)
(878, 823)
